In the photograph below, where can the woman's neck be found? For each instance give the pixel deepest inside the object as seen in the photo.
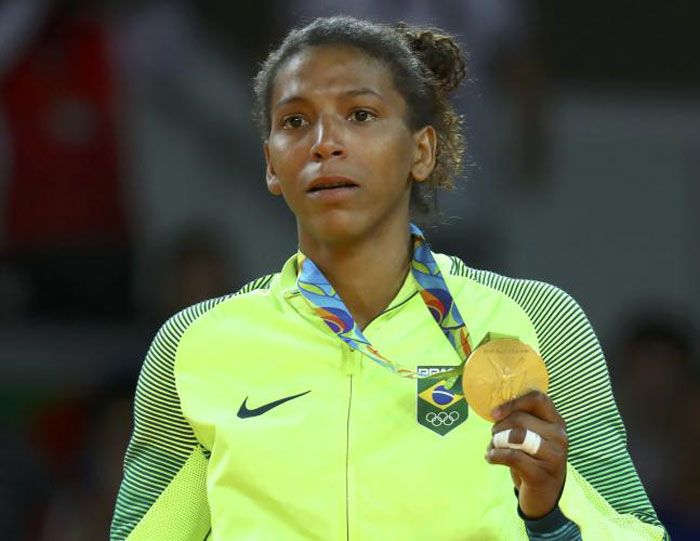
(368, 273)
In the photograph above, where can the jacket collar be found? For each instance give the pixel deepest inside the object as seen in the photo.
(288, 285)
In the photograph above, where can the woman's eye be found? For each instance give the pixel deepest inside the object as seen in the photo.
(362, 115)
(293, 122)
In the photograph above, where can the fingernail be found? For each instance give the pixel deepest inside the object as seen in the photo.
(496, 413)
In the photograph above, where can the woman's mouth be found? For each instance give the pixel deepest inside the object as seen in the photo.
(332, 186)
(331, 183)
(332, 189)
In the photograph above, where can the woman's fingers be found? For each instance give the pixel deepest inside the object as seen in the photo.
(553, 435)
(538, 466)
(534, 402)
(531, 470)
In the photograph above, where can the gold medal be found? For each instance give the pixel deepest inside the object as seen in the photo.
(499, 371)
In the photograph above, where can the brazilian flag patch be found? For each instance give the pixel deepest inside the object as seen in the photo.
(438, 408)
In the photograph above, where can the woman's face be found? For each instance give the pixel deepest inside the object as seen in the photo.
(337, 120)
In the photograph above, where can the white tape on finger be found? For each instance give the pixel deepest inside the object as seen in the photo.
(530, 445)
(532, 442)
(500, 439)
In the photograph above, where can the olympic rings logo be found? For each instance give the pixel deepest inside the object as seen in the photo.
(442, 418)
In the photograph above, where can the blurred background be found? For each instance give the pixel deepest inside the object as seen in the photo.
(132, 185)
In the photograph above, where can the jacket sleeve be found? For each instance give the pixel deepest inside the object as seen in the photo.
(163, 494)
(163, 491)
(603, 493)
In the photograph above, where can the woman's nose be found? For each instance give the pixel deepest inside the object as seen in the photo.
(328, 142)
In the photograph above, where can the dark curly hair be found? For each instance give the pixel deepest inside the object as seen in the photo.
(426, 64)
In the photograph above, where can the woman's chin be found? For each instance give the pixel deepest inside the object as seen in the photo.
(335, 228)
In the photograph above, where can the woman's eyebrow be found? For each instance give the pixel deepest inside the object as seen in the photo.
(361, 91)
(289, 99)
(347, 94)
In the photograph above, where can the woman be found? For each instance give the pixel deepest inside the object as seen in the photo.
(279, 412)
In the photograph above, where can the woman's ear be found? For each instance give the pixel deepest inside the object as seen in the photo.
(425, 141)
(273, 185)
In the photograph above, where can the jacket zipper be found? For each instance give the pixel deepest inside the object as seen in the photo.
(350, 367)
(347, 466)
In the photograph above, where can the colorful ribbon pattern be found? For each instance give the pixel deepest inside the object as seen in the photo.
(328, 305)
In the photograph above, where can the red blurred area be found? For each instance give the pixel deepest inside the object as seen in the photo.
(59, 102)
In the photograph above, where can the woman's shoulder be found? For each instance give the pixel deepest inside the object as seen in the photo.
(511, 286)
(542, 301)
(176, 325)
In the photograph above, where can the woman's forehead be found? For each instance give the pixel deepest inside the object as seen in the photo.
(331, 69)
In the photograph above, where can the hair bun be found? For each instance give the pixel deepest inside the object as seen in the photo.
(438, 52)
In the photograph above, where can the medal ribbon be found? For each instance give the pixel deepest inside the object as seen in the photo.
(328, 305)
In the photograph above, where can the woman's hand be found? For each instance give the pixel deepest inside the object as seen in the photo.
(539, 478)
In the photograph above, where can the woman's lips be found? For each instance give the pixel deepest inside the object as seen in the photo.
(331, 182)
(332, 189)
(332, 195)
